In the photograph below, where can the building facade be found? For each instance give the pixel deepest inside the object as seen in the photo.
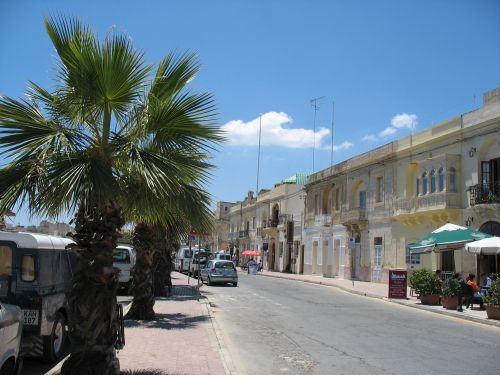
(362, 214)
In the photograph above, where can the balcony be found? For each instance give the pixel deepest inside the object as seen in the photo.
(485, 193)
(322, 220)
(354, 215)
(428, 202)
(243, 233)
(284, 218)
(272, 223)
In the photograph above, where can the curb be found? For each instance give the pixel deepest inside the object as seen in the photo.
(490, 322)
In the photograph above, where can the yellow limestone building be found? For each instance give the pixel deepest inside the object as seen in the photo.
(362, 214)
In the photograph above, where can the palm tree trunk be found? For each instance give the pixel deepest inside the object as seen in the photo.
(142, 286)
(92, 320)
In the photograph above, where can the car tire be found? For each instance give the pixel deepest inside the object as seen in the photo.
(54, 344)
(235, 284)
(209, 282)
(7, 368)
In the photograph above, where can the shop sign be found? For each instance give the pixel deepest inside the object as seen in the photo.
(398, 281)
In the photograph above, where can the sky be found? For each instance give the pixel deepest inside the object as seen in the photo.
(381, 70)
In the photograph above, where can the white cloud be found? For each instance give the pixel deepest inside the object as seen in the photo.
(274, 132)
(404, 120)
(346, 145)
(369, 138)
(387, 131)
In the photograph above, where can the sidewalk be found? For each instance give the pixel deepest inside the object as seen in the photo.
(378, 290)
(182, 339)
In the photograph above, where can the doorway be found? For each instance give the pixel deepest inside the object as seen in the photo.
(272, 256)
(314, 260)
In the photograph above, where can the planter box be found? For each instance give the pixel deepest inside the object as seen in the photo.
(449, 303)
(430, 299)
(493, 311)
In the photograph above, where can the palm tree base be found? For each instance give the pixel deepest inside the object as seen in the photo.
(91, 363)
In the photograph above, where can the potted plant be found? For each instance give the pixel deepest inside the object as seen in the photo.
(427, 285)
(450, 291)
(492, 300)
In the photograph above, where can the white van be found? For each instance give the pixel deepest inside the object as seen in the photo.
(124, 259)
(182, 259)
(221, 255)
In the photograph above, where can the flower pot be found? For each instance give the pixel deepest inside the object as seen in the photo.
(449, 303)
(492, 311)
(430, 299)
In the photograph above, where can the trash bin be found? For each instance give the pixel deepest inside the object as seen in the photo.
(253, 269)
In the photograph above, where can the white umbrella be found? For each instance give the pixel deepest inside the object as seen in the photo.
(486, 246)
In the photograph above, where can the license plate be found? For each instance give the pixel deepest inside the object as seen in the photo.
(30, 317)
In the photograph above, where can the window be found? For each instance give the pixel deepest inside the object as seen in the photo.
(253, 222)
(453, 174)
(433, 181)
(418, 186)
(441, 179)
(28, 268)
(121, 256)
(377, 256)
(411, 259)
(337, 199)
(5, 261)
(424, 183)
(224, 265)
(378, 194)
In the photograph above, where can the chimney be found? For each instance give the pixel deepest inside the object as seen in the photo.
(250, 195)
(491, 96)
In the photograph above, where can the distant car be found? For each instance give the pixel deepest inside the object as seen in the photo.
(124, 260)
(11, 328)
(182, 259)
(219, 271)
(221, 255)
(198, 256)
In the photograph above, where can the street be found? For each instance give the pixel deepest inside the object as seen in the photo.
(274, 326)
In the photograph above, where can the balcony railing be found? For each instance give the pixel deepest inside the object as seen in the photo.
(322, 220)
(353, 215)
(284, 218)
(243, 233)
(272, 223)
(428, 202)
(485, 193)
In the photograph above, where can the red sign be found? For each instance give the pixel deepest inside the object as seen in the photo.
(398, 281)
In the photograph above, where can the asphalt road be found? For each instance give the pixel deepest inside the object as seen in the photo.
(274, 326)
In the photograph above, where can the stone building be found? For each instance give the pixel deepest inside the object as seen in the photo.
(362, 214)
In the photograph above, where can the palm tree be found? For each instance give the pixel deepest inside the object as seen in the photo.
(189, 210)
(111, 124)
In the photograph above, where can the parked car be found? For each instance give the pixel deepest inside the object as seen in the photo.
(219, 271)
(35, 272)
(124, 259)
(11, 326)
(198, 256)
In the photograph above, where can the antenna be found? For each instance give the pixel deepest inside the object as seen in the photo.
(315, 104)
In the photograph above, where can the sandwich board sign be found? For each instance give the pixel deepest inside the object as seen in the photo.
(398, 281)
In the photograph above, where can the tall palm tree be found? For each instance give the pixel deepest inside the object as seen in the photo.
(111, 122)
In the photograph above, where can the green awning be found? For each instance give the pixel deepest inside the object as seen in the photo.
(442, 239)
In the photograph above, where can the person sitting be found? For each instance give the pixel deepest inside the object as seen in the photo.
(486, 283)
(477, 297)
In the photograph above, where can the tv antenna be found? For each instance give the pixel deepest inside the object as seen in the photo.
(315, 103)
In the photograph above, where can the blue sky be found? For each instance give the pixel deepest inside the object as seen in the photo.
(392, 67)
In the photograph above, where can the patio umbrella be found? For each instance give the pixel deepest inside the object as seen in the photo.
(487, 246)
(255, 253)
(447, 237)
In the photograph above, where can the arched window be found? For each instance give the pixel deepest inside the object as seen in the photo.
(424, 183)
(433, 181)
(453, 175)
(441, 179)
(491, 227)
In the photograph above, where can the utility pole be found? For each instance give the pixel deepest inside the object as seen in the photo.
(258, 156)
(333, 126)
(315, 104)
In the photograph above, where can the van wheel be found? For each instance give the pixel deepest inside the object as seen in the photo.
(54, 345)
(235, 284)
(8, 367)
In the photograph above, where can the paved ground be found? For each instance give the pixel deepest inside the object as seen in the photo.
(277, 326)
(180, 341)
(378, 290)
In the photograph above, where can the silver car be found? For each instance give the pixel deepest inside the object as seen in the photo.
(219, 271)
(11, 327)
